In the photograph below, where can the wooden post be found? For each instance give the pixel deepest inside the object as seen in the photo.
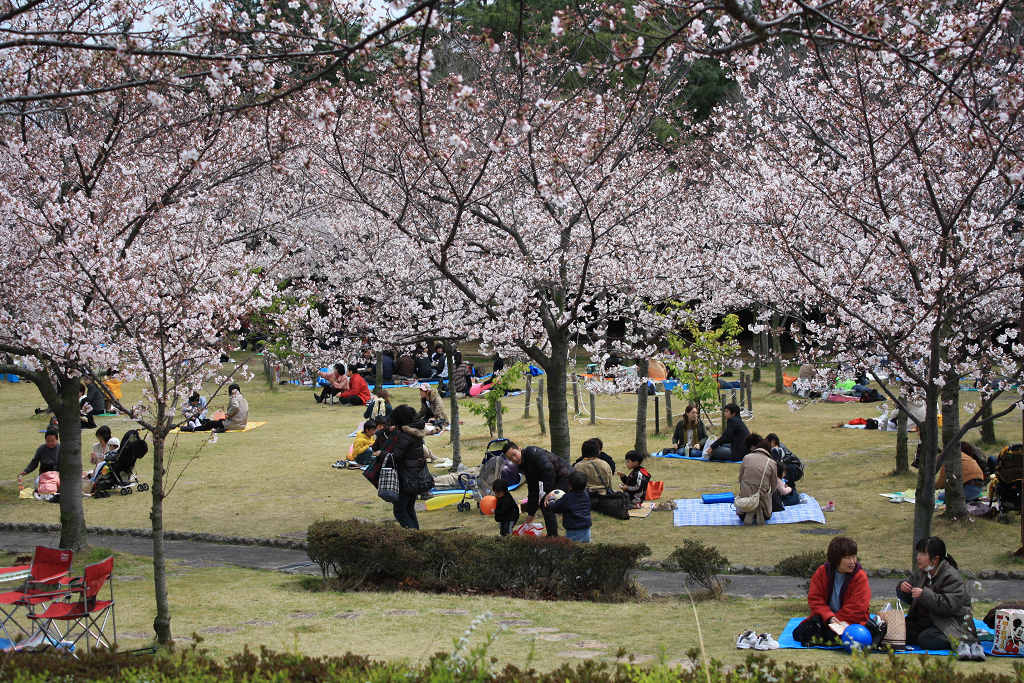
(723, 413)
(668, 408)
(575, 394)
(498, 420)
(540, 406)
(750, 395)
(529, 388)
(657, 416)
(732, 396)
(593, 409)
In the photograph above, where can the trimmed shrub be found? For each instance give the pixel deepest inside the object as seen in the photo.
(702, 562)
(382, 556)
(803, 565)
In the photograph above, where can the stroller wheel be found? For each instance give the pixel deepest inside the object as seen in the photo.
(462, 507)
(125, 491)
(143, 487)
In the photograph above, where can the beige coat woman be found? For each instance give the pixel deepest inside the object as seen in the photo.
(758, 473)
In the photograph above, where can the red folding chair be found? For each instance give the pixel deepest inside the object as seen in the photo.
(49, 569)
(83, 615)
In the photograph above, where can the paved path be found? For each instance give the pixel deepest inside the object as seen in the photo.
(202, 554)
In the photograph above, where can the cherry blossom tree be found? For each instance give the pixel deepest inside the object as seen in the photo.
(874, 197)
(547, 210)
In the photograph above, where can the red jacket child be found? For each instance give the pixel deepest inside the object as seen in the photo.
(357, 387)
(854, 598)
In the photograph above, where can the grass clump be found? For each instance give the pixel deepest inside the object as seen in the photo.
(802, 564)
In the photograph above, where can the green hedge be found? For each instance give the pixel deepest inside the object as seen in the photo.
(271, 667)
(357, 555)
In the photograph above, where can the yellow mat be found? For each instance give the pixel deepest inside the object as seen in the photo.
(248, 428)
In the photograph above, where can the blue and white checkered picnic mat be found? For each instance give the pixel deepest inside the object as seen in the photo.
(693, 512)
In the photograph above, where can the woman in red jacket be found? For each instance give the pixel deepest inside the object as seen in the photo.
(839, 596)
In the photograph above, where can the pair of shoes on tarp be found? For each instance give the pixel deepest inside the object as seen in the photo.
(748, 640)
(970, 652)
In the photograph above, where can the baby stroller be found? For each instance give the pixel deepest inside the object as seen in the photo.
(494, 466)
(1005, 489)
(118, 473)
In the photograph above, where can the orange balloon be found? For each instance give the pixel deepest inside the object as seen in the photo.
(487, 505)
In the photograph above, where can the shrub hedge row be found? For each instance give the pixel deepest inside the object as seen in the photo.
(267, 667)
(354, 555)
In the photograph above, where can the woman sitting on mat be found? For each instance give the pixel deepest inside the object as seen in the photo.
(940, 608)
(689, 432)
(235, 417)
(839, 595)
(758, 473)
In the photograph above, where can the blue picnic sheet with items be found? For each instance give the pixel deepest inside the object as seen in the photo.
(694, 512)
(671, 454)
(787, 642)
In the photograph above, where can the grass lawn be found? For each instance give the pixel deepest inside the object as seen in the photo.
(277, 479)
(229, 609)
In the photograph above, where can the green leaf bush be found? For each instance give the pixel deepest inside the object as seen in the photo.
(362, 555)
(191, 666)
(803, 565)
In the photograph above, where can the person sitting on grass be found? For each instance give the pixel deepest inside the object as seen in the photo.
(362, 448)
(358, 392)
(601, 455)
(431, 407)
(236, 416)
(102, 445)
(786, 486)
(971, 473)
(47, 457)
(689, 432)
(731, 446)
(940, 608)
(506, 511)
(839, 595)
(574, 506)
(597, 472)
(195, 410)
(337, 383)
(758, 472)
(85, 409)
(634, 483)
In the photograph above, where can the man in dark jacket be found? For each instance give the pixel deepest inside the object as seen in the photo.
(47, 457)
(539, 466)
(732, 445)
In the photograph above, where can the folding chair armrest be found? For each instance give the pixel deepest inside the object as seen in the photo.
(55, 594)
(49, 579)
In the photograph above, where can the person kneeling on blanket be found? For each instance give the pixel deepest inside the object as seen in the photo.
(839, 595)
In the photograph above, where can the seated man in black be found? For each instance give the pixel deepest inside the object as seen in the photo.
(731, 446)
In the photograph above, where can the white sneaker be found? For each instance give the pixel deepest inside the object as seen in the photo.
(746, 640)
(766, 642)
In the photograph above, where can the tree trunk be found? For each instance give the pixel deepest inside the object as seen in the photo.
(640, 443)
(956, 506)
(558, 405)
(378, 377)
(988, 427)
(761, 346)
(453, 410)
(540, 404)
(777, 352)
(72, 517)
(902, 459)
(162, 621)
(528, 392)
(499, 420)
(924, 507)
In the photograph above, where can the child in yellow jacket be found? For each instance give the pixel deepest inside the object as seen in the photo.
(361, 452)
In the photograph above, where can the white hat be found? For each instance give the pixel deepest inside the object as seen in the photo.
(113, 442)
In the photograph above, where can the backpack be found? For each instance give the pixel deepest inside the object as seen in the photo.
(786, 458)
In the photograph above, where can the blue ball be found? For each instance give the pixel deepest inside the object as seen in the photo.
(856, 637)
